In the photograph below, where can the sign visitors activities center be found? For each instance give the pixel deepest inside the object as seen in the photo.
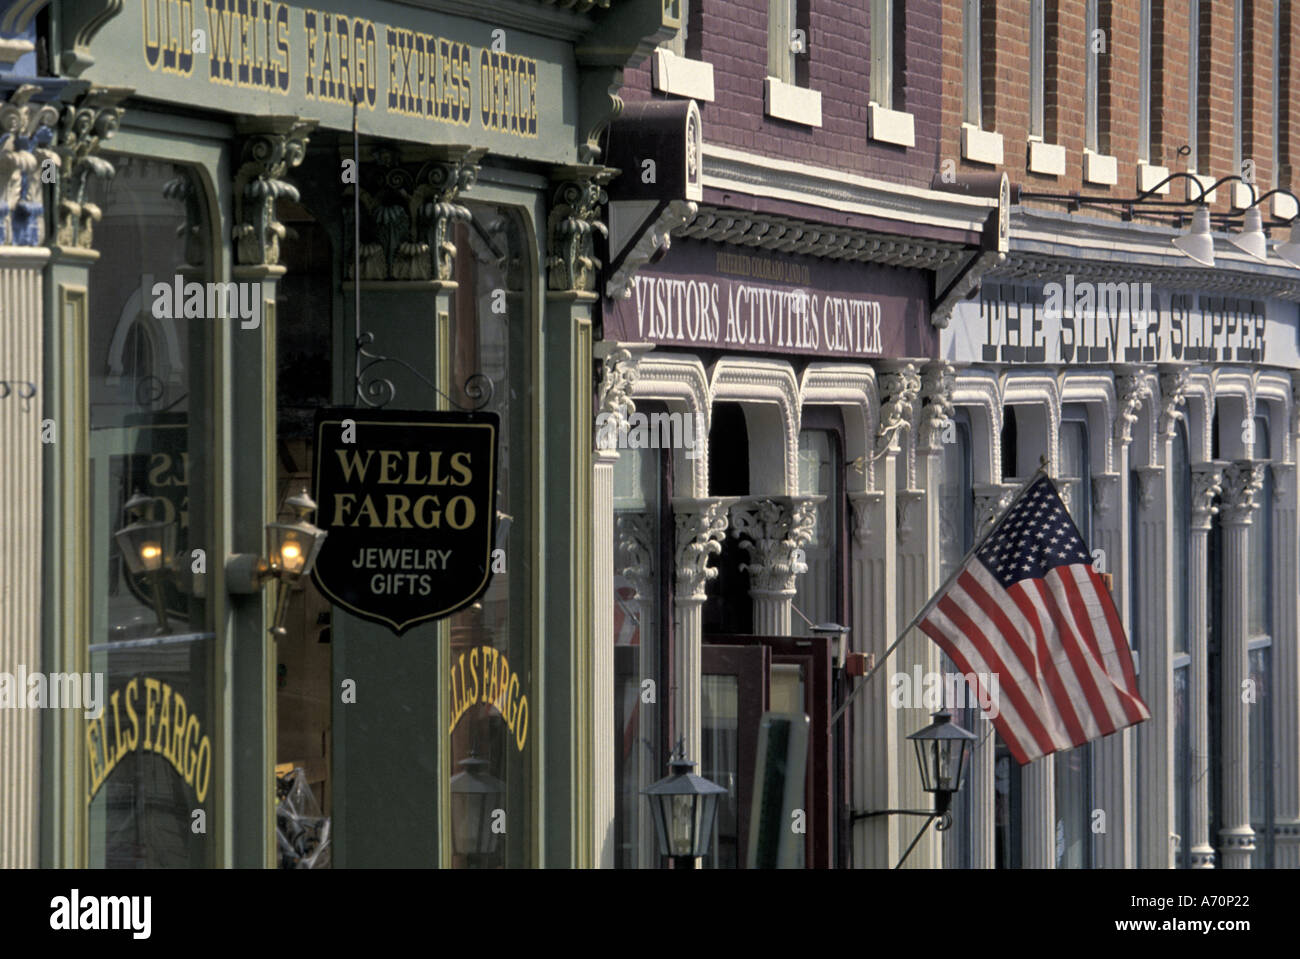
(714, 296)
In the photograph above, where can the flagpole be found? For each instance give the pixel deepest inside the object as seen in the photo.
(925, 610)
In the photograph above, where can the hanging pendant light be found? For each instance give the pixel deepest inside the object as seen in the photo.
(1197, 243)
(1251, 239)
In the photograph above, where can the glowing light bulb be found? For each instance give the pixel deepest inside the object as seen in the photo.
(291, 556)
(151, 553)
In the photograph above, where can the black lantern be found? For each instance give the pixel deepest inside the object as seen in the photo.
(291, 552)
(475, 793)
(942, 749)
(684, 807)
(148, 547)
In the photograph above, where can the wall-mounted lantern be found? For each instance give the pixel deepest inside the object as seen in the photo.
(291, 551)
(148, 548)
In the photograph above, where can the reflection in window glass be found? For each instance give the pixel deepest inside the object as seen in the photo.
(150, 753)
(1182, 766)
(637, 631)
(490, 643)
(817, 590)
(1262, 769)
(720, 701)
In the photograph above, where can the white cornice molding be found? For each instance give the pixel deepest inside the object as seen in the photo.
(1094, 390)
(753, 381)
(978, 390)
(1031, 388)
(679, 381)
(853, 389)
(1198, 410)
(785, 234)
(729, 169)
(1274, 387)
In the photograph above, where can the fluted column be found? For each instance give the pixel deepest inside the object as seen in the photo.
(874, 724)
(1114, 847)
(1155, 738)
(991, 501)
(1241, 480)
(1286, 672)
(613, 403)
(774, 531)
(701, 525)
(1207, 483)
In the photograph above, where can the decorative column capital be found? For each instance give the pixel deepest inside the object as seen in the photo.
(638, 545)
(1131, 388)
(1173, 395)
(1242, 479)
(84, 126)
(937, 380)
(1207, 486)
(907, 501)
(1283, 479)
(614, 405)
(864, 505)
(1105, 493)
(773, 531)
(900, 383)
(271, 146)
(1150, 479)
(991, 501)
(701, 525)
(27, 129)
(572, 224)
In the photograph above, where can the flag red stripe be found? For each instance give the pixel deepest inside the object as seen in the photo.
(976, 636)
(1019, 644)
(1072, 646)
(1116, 629)
(1128, 713)
(1047, 668)
(1112, 717)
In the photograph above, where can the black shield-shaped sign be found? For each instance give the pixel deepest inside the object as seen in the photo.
(409, 502)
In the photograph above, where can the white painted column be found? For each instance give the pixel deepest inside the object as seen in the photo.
(1207, 484)
(701, 525)
(875, 616)
(1113, 836)
(1241, 480)
(1286, 670)
(1155, 737)
(773, 531)
(991, 501)
(23, 389)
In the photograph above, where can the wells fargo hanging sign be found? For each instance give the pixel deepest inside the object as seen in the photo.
(147, 715)
(409, 502)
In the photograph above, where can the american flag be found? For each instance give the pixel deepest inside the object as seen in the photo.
(1028, 606)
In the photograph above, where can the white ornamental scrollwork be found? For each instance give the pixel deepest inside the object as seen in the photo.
(1173, 395)
(614, 401)
(898, 389)
(636, 545)
(1207, 486)
(774, 531)
(1241, 481)
(1131, 388)
(937, 408)
(701, 526)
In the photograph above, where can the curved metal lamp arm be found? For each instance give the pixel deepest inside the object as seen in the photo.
(1264, 196)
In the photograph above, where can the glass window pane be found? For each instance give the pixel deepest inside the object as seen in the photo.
(1182, 765)
(720, 701)
(1262, 769)
(817, 591)
(150, 753)
(637, 650)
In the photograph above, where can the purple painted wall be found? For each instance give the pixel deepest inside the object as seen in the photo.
(733, 37)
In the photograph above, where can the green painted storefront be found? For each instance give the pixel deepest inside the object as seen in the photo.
(213, 142)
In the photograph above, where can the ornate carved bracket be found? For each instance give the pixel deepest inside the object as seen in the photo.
(898, 389)
(701, 526)
(80, 20)
(637, 545)
(26, 131)
(773, 532)
(83, 128)
(864, 505)
(618, 375)
(658, 236)
(572, 226)
(991, 501)
(271, 147)
(1173, 394)
(1105, 492)
(937, 381)
(1131, 388)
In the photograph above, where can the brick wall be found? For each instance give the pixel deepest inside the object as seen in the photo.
(733, 38)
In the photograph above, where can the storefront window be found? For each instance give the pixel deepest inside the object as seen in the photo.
(638, 627)
(817, 591)
(152, 766)
(491, 640)
(1260, 644)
